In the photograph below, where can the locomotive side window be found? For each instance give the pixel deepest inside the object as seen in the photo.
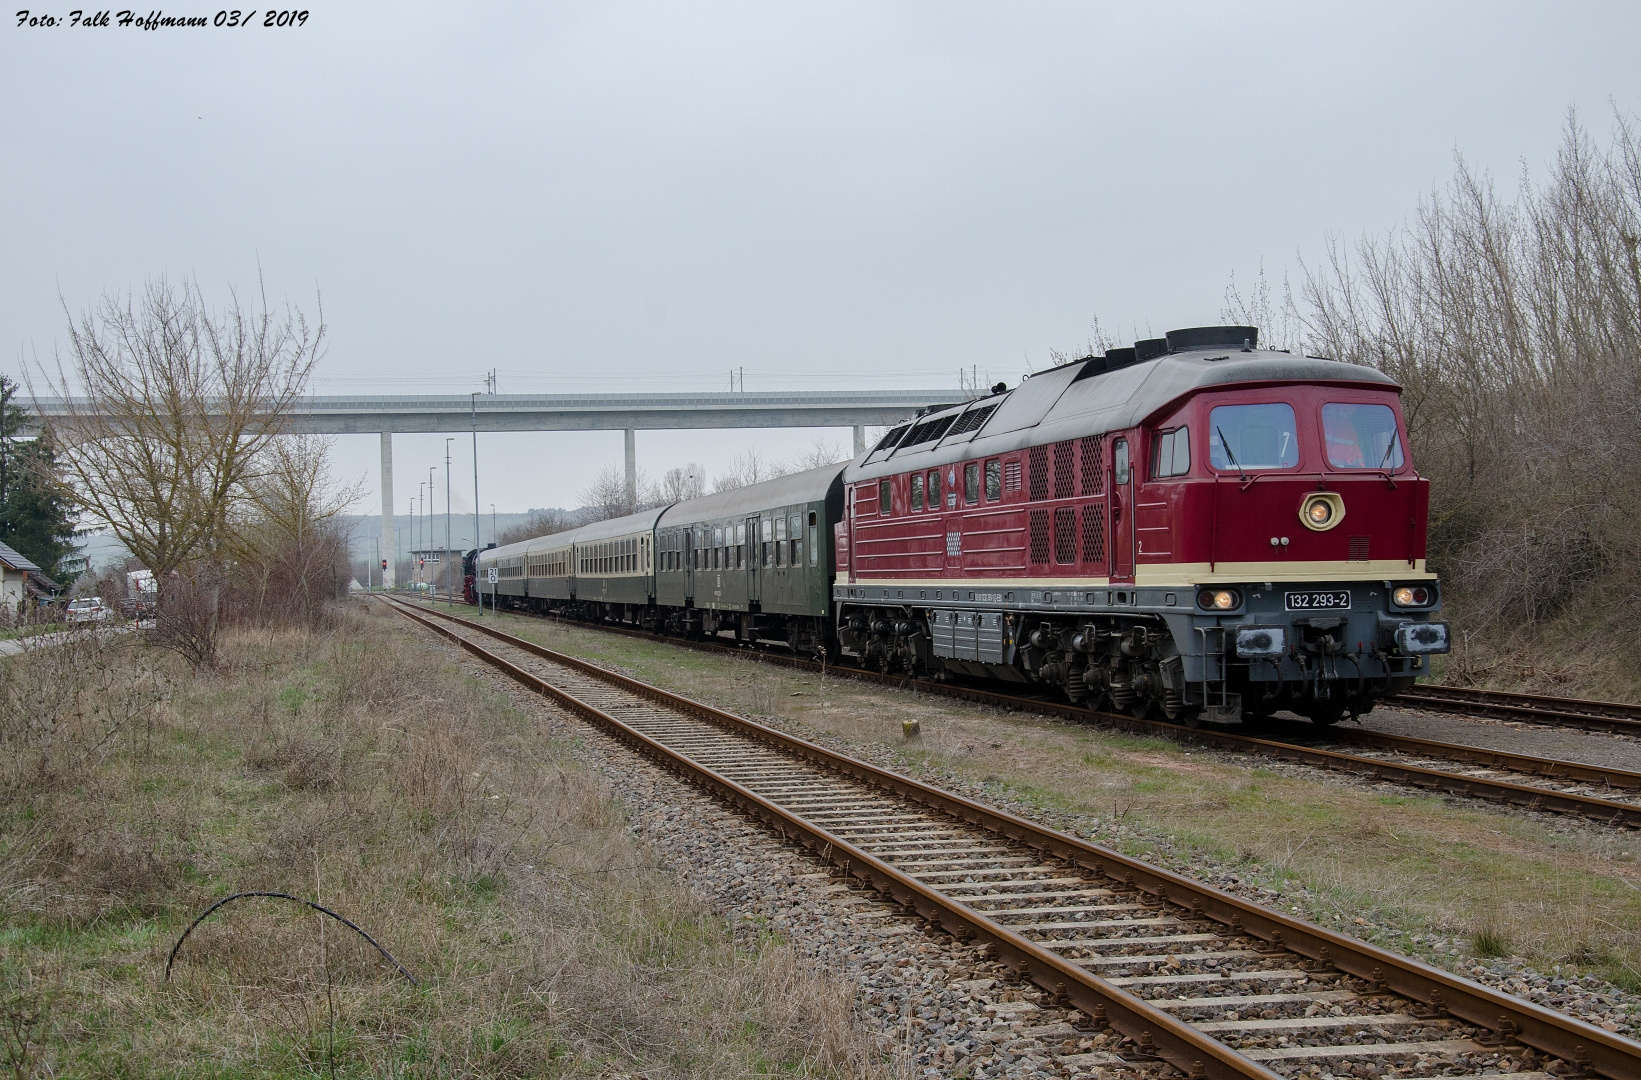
(1242, 437)
(1119, 462)
(994, 480)
(1171, 453)
(971, 483)
(917, 491)
(934, 490)
(1361, 437)
(884, 505)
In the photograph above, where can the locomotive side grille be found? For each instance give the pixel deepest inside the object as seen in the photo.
(1065, 469)
(1359, 548)
(1093, 463)
(1094, 533)
(1039, 537)
(1065, 535)
(1039, 474)
(1011, 476)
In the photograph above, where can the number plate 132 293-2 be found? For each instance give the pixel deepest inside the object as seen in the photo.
(1332, 600)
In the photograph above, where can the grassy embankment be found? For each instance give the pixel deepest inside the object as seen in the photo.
(359, 769)
(1409, 865)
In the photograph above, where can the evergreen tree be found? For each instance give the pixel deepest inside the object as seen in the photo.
(37, 511)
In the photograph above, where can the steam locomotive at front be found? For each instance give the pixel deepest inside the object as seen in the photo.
(1192, 526)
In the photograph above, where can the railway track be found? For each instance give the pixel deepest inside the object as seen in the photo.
(1175, 972)
(1613, 716)
(1598, 793)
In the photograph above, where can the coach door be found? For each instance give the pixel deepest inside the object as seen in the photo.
(1122, 513)
(754, 573)
(689, 563)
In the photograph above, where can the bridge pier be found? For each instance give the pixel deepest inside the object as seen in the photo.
(860, 439)
(632, 467)
(389, 547)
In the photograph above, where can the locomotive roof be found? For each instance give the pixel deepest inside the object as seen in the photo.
(811, 485)
(1082, 398)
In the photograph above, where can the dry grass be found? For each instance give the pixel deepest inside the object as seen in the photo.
(358, 769)
(1548, 890)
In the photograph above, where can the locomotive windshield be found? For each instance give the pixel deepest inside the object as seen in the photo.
(1361, 437)
(1252, 437)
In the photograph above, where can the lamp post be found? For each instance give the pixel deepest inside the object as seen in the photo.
(416, 531)
(447, 593)
(427, 528)
(474, 401)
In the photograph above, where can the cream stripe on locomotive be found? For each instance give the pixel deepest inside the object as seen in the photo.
(1171, 575)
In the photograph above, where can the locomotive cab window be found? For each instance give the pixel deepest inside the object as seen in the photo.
(1243, 437)
(1361, 437)
(971, 483)
(1119, 462)
(917, 491)
(1171, 453)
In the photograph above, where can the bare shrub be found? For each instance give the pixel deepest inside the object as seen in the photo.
(1514, 327)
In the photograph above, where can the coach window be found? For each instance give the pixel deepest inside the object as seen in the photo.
(971, 483)
(994, 480)
(885, 505)
(934, 489)
(797, 540)
(917, 491)
(814, 540)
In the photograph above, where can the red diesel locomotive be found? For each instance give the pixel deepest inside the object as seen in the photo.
(1193, 525)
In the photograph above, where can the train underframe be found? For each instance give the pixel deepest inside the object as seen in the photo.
(1122, 662)
(1132, 662)
(804, 635)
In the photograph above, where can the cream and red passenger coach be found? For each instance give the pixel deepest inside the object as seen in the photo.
(1193, 524)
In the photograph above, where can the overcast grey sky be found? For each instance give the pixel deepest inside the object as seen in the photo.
(625, 196)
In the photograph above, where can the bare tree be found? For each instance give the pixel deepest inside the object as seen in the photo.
(820, 453)
(538, 523)
(1514, 327)
(171, 413)
(749, 467)
(683, 482)
(606, 497)
(289, 542)
(170, 410)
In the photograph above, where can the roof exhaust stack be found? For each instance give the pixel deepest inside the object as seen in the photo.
(1245, 338)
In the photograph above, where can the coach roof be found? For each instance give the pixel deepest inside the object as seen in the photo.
(811, 485)
(1082, 398)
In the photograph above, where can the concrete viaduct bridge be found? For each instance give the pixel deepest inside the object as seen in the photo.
(370, 414)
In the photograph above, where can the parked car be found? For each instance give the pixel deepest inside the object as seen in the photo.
(87, 609)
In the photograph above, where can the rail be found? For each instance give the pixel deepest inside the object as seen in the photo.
(1583, 1047)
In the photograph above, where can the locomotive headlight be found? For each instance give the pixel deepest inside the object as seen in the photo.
(1219, 599)
(1321, 510)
